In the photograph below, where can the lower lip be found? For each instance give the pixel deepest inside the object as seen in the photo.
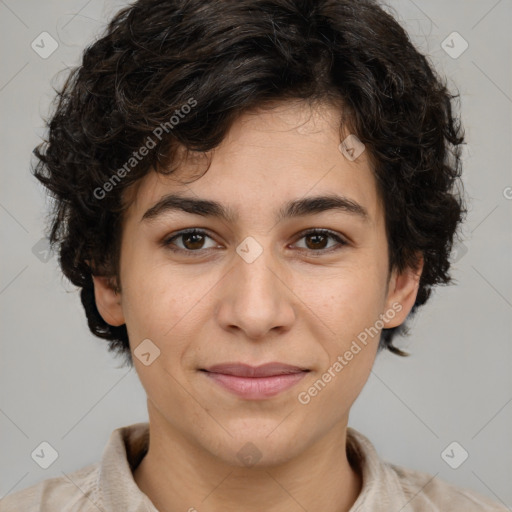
(256, 388)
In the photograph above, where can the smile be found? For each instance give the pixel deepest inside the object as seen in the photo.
(255, 382)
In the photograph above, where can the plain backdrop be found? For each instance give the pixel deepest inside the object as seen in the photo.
(59, 384)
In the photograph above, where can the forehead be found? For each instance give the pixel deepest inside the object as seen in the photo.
(268, 158)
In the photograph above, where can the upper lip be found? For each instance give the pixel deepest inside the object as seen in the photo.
(246, 370)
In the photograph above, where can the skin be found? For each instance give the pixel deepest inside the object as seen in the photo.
(290, 305)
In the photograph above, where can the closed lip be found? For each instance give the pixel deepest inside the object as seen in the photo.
(246, 370)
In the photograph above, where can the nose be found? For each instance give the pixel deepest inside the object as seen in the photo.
(256, 298)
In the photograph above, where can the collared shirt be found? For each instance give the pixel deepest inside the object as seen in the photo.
(108, 486)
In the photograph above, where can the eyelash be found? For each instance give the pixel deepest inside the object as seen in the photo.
(194, 231)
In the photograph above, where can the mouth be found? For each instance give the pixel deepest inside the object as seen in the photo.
(255, 382)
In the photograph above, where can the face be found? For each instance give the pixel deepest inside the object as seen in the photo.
(260, 284)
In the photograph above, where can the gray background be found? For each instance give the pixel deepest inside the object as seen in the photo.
(59, 384)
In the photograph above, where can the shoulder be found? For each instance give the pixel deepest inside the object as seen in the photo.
(105, 485)
(387, 486)
(428, 492)
(68, 493)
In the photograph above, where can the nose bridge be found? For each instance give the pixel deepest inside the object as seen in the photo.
(256, 260)
(257, 301)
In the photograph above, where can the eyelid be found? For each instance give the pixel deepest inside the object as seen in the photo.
(324, 231)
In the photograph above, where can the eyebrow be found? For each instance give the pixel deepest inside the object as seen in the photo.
(291, 209)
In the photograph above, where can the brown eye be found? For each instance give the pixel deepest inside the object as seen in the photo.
(191, 241)
(317, 240)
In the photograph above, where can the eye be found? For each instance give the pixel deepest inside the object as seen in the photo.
(316, 240)
(192, 241)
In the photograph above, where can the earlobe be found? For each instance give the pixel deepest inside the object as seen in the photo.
(108, 301)
(402, 293)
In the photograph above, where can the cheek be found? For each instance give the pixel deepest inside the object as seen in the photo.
(347, 301)
(334, 390)
(164, 304)
(349, 313)
(147, 281)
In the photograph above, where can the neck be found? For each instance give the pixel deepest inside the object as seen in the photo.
(178, 475)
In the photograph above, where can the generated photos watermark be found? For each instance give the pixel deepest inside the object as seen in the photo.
(150, 143)
(304, 397)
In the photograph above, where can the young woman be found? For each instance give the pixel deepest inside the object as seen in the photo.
(253, 196)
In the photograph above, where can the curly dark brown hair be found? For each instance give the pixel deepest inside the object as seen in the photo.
(225, 57)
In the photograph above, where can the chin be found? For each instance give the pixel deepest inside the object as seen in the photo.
(259, 447)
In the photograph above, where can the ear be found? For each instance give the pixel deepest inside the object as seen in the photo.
(108, 300)
(402, 292)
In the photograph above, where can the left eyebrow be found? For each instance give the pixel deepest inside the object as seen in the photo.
(296, 208)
